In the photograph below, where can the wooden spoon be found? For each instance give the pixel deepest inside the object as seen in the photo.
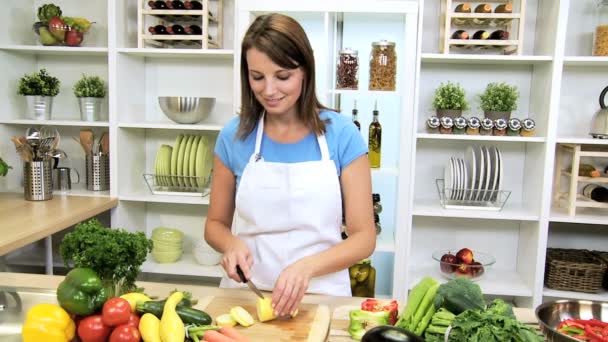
(105, 143)
(86, 140)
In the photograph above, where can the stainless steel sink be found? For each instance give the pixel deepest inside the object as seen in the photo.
(14, 305)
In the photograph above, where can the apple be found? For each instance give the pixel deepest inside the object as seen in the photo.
(476, 269)
(57, 28)
(465, 255)
(73, 38)
(463, 271)
(448, 263)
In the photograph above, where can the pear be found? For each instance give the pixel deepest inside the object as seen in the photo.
(46, 38)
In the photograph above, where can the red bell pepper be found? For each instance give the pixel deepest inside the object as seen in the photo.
(375, 305)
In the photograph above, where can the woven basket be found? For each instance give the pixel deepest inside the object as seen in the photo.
(574, 270)
(604, 256)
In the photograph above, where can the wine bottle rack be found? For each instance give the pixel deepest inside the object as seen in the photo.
(572, 199)
(209, 18)
(472, 22)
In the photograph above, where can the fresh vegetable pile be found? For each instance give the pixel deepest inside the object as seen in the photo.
(591, 330)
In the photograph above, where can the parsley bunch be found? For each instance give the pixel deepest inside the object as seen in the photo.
(115, 254)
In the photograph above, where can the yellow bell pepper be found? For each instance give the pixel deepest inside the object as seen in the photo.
(49, 323)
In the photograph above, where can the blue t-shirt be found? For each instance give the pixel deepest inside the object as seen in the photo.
(344, 141)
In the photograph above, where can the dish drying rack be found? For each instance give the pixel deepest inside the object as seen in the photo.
(490, 200)
(177, 185)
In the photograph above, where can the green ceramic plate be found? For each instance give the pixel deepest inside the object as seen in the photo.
(157, 179)
(200, 160)
(173, 169)
(192, 161)
(166, 164)
(180, 159)
(209, 159)
(186, 164)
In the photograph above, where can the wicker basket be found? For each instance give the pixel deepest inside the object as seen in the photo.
(604, 256)
(574, 270)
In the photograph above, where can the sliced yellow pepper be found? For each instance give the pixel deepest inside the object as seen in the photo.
(49, 323)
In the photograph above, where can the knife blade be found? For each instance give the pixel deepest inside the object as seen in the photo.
(251, 285)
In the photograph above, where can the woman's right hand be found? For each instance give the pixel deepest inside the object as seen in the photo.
(237, 253)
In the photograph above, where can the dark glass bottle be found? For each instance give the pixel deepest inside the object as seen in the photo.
(504, 8)
(499, 35)
(158, 29)
(176, 29)
(460, 34)
(375, 139)
(193, 5)
(194, 29)
(355, 117)
(596, 193)
(175, 4)
(481, 34)
(157, 4)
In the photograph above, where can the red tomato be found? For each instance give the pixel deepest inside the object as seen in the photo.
(116, 311)
(133, 320)
(92, 329)
(125, 333)
(373, 304)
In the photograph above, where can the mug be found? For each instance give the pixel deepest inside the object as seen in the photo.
(62, 179)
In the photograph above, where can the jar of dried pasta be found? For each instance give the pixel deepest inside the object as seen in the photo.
(600, 36)
(383, 66)
(347, 69)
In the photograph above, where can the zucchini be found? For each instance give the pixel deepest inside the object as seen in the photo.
(187, 315)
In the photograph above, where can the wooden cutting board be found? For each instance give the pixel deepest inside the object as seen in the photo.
(311, 324)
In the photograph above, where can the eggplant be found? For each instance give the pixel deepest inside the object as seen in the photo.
(389, 333)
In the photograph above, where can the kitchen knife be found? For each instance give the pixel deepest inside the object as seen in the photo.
(251, 285)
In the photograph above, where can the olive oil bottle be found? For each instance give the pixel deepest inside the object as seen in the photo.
(355, 117)
(375, 139)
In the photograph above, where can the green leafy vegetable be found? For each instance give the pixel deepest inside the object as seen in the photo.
(484, 326)
(4, 167)
(48, 11)
(500, 307)
(459, 295)
(115, 254)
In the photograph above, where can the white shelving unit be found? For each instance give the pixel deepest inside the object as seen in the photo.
(558, 80)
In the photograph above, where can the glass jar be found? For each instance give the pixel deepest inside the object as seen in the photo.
(600, 36)
(363, 279)
(347, 69)
(383, 66)
(377, 204)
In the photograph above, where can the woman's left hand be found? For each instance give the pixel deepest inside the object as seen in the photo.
(290, 288)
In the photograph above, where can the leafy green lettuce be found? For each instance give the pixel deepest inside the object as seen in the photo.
(486, 326)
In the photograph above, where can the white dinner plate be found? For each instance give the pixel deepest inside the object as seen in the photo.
(448, 181)
(488, 163)
(481, 172)
(465, 179)
(500, 174)
(472, 169)
(493, 172)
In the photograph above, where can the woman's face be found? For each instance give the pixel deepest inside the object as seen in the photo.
(276, 88)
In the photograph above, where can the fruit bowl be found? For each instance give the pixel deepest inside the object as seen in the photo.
(58, 33)
(463, 263)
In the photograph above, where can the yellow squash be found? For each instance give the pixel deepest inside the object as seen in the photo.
(241, 316)
(171, 326)
(149, 328)
(264, 309)
(48, 323)
(134, 297)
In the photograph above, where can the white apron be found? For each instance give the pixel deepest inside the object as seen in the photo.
(287, 211)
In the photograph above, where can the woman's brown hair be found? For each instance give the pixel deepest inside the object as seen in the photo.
(284, 41)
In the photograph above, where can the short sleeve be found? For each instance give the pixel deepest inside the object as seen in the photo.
(224, 142)
(350, 145)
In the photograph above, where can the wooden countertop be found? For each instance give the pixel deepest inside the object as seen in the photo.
(24, 222)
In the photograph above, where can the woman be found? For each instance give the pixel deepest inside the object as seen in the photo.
(285, 165)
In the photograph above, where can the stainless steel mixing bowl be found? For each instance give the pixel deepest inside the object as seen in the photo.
(186, 110)
(550, 314)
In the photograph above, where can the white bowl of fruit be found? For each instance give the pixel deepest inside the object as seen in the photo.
(463, 263)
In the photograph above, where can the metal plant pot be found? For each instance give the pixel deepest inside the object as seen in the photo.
(495, 115)
(453, 113)
(39, 107)
(90, 108)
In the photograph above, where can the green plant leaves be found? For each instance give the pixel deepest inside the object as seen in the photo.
(499, 97)
(90, 86)
(450, 96)
(39, 84)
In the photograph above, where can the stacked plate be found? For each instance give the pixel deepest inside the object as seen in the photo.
(477, 177)
(167, 244)
(185, 165)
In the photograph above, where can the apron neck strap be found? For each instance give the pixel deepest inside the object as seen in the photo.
(257, 155)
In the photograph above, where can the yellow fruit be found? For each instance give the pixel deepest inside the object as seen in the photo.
(149, 328)
(171, 326)
(295, 313)
(241, 316)
(134, 297)
(264, 309)
(225, 320)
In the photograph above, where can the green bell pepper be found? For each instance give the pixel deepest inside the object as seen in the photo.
(81, 292)
(362, 321)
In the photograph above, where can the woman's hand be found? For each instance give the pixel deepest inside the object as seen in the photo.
(291, 287)
(237, 253)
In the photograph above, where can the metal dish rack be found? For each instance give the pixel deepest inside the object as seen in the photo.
(186, 185)
(491, 200)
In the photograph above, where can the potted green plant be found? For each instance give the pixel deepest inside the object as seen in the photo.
(4, 167)
(39, 90)
(90, 91)
(450, 100)
(499, 100)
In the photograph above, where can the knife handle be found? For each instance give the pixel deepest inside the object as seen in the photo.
(239, 271)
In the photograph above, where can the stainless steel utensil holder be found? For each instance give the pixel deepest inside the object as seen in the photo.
(37, 180)
(98, 172)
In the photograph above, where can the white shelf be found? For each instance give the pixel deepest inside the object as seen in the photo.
(170, 125)
(494, 281)
(364, 92)
(440, 58)
(148, 197)
(179, 53)
(585, 61)
(186, 265)
(582, 141)
(433, 136)
(601, 297)
(56, 50)
(55, 123)
(583, 216)
(511, 211)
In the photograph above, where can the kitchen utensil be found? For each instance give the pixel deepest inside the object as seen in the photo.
(249, 283)
(481, 176)
(105, 143)
(87, 140)
(62, 179)
(174, 156)
(471, 165)
(465, 179)
(37, 180)
(186, 110)
(550, 314)
(186, 163)
(180, 159)
(599, 123)
(98, 172)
